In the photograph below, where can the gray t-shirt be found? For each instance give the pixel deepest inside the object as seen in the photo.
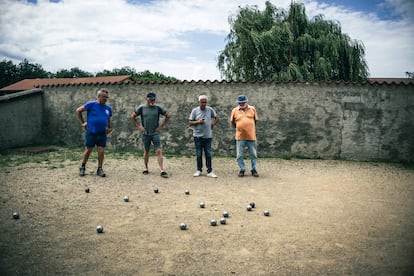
(203, 130)
(150, 116)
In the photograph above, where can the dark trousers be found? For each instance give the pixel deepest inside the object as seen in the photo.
(203, 144)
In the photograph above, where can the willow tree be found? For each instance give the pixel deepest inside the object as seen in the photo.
(275, 44)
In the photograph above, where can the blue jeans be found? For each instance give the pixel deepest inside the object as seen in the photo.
(200, 145)
(240, 147)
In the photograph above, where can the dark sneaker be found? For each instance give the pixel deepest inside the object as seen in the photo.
(100, 172)
(255, 174)
(164, 174)
(82, 171)
(145, 172)
(241, 173)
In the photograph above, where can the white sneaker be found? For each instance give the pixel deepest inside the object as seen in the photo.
(212, 175)
(197, 173)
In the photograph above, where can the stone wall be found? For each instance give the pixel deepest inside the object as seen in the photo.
(21, 119)
(297, 119)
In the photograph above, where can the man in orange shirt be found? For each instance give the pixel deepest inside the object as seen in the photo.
(244, 118)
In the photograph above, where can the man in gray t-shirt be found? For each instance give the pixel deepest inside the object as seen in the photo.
(203, 118)
(150, 114)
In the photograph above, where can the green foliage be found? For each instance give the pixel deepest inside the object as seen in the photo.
(8, 73)
(410, 75)
(117, 72)
(11, 73)
(148, 76)
(137, 76)
(29, 70)
(72, 73)
(284, 45)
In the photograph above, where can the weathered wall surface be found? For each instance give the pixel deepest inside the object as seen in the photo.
(311, 120)
(21, 119)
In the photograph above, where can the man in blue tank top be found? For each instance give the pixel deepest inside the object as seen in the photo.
(97, 126)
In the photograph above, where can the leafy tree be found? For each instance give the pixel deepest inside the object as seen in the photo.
(9, 73)
(29, 70)
(137, 76)
(148, 76)
(410, 75)
(285, 45)
(126, 70)
(72, 73)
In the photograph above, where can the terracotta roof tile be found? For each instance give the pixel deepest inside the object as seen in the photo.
(370, 81)
(406, 81)
(37, 83)
(27, 84)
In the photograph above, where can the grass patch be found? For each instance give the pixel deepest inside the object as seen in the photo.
(60, 156)
(55, 157)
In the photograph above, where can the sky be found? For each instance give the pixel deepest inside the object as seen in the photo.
(182, 38)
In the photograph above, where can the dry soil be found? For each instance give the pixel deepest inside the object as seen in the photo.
(326, 218)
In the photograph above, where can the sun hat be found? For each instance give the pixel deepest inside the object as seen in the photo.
(151, 96)
(242, 99)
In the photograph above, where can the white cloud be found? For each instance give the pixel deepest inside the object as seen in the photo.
(402, 7)
(388, 44)
(160, 36)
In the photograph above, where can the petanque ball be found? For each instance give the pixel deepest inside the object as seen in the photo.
(249, 207)
(87, 190)
(187, 192)
(99, 229)
(202, 205)
(252, 204)
(213, 222)
(16, 215)
(156, 190)
(183, 226)
(266, 213)
(225, 214)
(126, 198)
(223, 221)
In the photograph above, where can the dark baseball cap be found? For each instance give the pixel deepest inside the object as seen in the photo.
(151, 96)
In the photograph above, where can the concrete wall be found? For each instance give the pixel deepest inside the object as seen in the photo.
(311, 120)
(21, 119)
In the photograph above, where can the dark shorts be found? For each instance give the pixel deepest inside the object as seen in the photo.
(154, 139)
(95, 139)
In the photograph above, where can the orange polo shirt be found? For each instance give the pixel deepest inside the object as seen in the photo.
(245, 122)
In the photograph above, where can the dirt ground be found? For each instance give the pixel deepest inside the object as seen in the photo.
(326, 218)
